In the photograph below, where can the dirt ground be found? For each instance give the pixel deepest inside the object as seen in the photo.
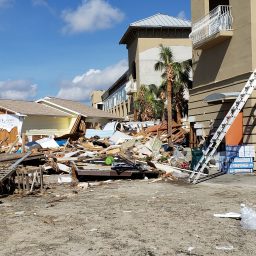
(134, 218)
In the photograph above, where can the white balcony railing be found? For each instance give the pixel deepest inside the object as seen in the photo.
(131, 87)
(219, 19)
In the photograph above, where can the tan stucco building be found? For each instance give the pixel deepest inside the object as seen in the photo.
(96, 99)
(142, 39)
(224, 55)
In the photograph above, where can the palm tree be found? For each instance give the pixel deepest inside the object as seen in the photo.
(148, 104)
(175, 80)
(180, 84)
(159, 93)
(165, 64)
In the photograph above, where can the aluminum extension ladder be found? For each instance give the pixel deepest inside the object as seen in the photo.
(221, 132)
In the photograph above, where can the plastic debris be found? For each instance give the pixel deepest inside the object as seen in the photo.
(248, 218)
(64, 179)
(225, 247)
(232, 215)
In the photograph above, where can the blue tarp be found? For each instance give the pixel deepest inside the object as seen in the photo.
(61, 142)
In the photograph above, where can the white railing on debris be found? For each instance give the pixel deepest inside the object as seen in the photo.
(219, 19)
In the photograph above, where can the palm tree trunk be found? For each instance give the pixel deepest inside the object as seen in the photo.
(179, 116)
(169, 111)
(135, 111)
(163, 115)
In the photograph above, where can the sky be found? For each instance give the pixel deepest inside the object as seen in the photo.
(67, 48)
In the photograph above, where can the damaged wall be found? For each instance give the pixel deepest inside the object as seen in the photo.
(47, 125)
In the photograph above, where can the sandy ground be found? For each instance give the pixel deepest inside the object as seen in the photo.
(130, 218)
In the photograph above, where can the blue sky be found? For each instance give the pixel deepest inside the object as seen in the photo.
(67, 48)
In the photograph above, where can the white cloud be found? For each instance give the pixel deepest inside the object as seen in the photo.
(40, 2)
(6, 3)
(81, 86)
(182, 15)
(45, 4)
(17, 89)
(91, 15)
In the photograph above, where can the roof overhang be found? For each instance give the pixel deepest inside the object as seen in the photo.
(13, 112)
(46, 100)
(221, 97)
(132, 31)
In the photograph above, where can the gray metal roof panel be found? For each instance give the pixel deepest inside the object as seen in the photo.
(161, 20)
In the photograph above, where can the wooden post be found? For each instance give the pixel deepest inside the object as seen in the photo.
(41, 178)
(23, 136)
(23, 180)
(18, 180)
(27, 181)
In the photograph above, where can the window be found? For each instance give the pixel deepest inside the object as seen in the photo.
(100, 106)
(134, 70)
(214, 3)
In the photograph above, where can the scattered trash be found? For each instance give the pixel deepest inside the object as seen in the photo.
(225, 247)
(120, 137)
(93, 229)
(248, 217)
(64, 179)
(83, 185)
(232, 215)
(190, 249)
(47, 143)
(19, 213)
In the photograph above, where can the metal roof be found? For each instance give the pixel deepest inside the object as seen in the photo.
(78, 108)
(156, 22)
(161, 20)
(23, 107)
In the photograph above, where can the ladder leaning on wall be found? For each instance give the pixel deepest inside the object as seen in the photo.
(222, 130)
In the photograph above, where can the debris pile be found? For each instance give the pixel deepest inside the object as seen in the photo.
(134, 150)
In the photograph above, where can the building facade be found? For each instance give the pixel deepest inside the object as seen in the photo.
(142, 40)
(115, 99)
(96, 99)
(224, 55)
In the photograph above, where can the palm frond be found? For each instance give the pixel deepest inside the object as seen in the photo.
(159, 66)
(153, 89)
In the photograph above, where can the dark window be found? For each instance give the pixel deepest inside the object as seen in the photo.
(134, 70)
(214, 3)
(99, 106)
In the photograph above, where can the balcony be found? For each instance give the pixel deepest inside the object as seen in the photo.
(212, 29)
(131, 87)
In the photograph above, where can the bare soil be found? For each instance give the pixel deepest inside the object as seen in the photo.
(133, 218)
